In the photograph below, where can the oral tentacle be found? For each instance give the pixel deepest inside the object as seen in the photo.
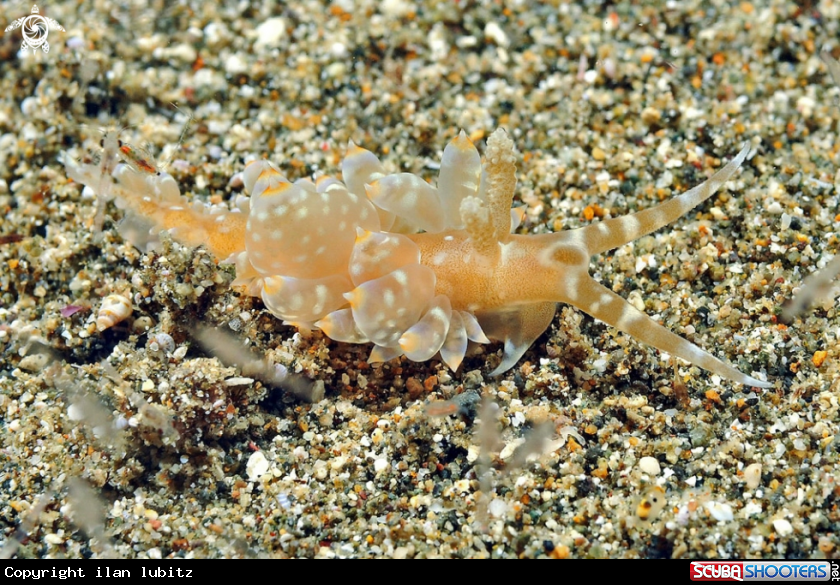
(612, 233)
(607, 306)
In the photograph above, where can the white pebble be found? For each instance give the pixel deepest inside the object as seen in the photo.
(239, 381)
(234, 65)
(270, 33)
(775, 207)
(338, 50)
(649, 465)
(214, 33)
(257, 466)
(396, 8)
(495, 33)
(751, 509)
(782, 527)
(785, 221)
(720, 512)
(380, 465)
(665, 180)
(29, 106)
(752, 475)
(497, 508)
(181, 52)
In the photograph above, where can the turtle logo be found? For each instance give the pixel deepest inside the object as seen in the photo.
(35, 30)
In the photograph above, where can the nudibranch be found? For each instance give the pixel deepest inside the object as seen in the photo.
(414, 269)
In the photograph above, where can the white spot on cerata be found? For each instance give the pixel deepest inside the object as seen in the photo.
(439, 258)
(400, 276)
(256, 237)
(301, 258)
(262, 216)
(277, 235)
(281, 210)
(438, 313)
(448, 238)
(306, 239)
(320, 250)
(296, 301)
(325, 210)
(388, 297)
(302, 212)
(320, 231)
(344, 209)
(342, 225)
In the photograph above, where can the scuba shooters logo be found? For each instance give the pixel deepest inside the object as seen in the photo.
(765, 571)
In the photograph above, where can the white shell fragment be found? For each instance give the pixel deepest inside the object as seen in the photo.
(649, 465)
(115, 308)
(257, 466)
(752, 475)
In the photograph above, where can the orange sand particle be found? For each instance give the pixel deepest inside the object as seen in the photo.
(819, 358)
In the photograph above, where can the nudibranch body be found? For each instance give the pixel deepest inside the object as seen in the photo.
(415, 270)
